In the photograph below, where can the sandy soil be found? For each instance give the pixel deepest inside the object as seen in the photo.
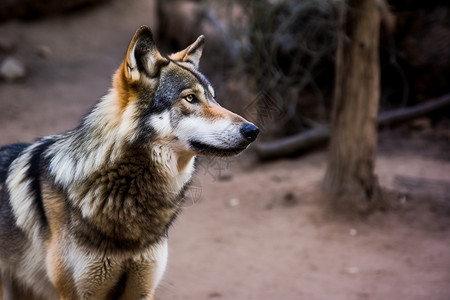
(248, 231)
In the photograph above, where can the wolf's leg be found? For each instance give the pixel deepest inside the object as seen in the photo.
(81, 275)
(139, 282)
(144, 273)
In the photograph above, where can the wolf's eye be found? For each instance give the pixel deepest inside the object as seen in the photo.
(190, 98)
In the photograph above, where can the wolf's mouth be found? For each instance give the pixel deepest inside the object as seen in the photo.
(216, 151)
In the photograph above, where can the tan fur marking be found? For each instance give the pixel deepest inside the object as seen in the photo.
(179, 55)
(191, 54)
(215, 112)
(183, 161)
(54, 207)
(197, 90)
(56, 214)
(59, 274)
(123, 86)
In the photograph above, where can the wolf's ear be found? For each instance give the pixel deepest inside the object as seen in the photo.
(192, 53)
(142, 56)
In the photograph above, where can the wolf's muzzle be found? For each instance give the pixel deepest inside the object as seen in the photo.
(249, 131)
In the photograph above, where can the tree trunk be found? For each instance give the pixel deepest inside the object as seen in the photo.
(350, 180)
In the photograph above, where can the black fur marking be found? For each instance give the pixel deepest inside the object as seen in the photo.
(208, 149)
(34, 172)
(142, 48)
(9, 230)
(119, 289)
(145, 46)
(170, 87)
(7, 155)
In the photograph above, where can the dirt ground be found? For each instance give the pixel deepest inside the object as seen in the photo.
(248, 231)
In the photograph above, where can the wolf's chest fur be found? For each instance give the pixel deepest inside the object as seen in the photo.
(130, 203)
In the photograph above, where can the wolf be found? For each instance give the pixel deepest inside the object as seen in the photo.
(85, 214)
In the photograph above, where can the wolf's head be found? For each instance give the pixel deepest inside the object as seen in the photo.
(167, 100)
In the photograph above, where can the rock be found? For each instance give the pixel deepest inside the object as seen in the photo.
(234, 202)
(402, 199)
(289, 200)
(12, 69)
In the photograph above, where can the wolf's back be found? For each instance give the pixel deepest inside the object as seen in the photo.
(8, 154)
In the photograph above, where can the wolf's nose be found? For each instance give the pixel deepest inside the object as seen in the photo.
(249, 131)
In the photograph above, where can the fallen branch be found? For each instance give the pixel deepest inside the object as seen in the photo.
(438, 188)
(404, 114)
(293, 144)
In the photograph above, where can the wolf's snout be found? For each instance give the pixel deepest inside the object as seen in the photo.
(249, 131)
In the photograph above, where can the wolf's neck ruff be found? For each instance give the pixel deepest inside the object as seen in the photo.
(128, 194)
(130, 203)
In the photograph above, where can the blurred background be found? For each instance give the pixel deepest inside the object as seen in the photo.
(265, 225)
